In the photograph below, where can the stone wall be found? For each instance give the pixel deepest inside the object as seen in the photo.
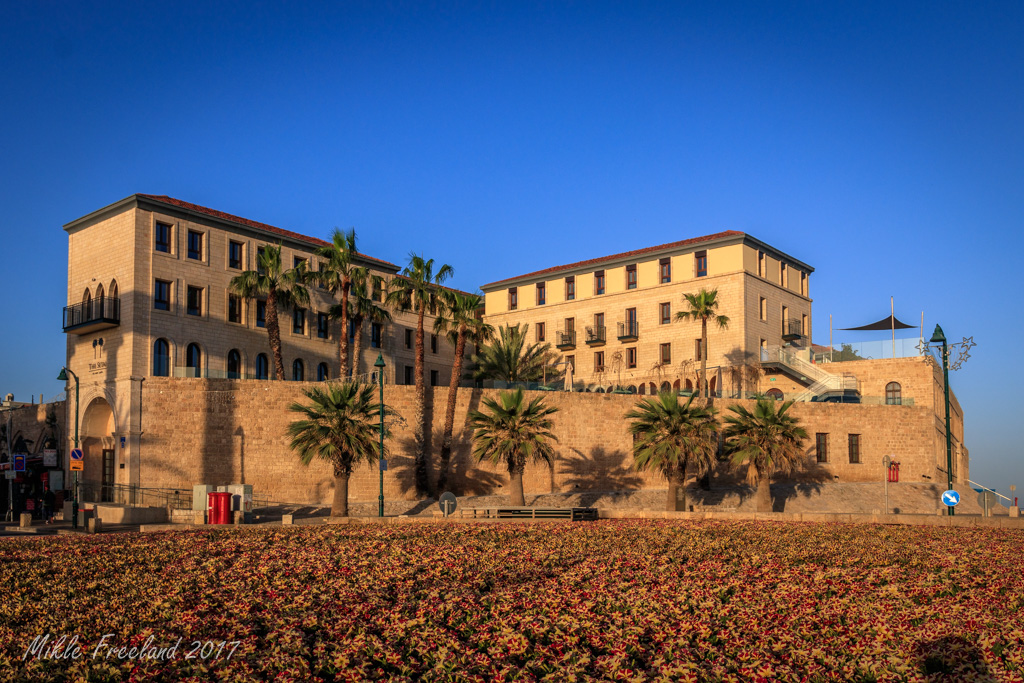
(233, 431)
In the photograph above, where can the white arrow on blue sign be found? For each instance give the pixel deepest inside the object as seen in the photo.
(950, 498)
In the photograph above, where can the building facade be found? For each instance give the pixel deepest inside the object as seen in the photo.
(149, 296)
(614, 318)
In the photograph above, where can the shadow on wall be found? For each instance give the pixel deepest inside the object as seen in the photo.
(601, 471)
(402, 463)
(812, 480)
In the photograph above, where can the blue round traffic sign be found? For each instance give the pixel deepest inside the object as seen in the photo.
(950, 498)
(76, 454)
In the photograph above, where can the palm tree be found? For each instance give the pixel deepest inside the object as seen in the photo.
(461, 323)
(770, 440)
(336, 277)
(673, 437)
(509, 358)
(339, 425)
(280, 288)
(362, 308)
(416, 290)
(703, 306)
(512, 432)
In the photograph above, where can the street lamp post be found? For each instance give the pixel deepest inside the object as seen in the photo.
(938, 337)
(380, 378)
(63, 376)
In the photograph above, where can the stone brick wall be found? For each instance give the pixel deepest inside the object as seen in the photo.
(228, 431)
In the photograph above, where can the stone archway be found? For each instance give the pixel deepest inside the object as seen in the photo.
(97, 442)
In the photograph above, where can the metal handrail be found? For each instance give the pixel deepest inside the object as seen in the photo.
(102, 308)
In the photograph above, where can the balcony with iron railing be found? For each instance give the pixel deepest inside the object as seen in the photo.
(628, 331)
(792, 330)
(93, 315)
(565, 340)
(596, 336)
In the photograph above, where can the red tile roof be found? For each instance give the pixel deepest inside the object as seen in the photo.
(623, 255)
(164, 199)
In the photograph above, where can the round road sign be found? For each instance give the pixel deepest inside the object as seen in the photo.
(950, 498)
(76, 454)
(447, 503)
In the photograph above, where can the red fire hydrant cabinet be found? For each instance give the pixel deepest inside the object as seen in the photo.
(218, 507)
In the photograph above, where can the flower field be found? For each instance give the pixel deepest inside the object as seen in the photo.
(617, 601)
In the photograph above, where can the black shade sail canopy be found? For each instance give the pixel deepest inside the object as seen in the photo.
(888, 323)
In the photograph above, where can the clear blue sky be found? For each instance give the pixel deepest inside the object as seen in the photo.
(883, 143)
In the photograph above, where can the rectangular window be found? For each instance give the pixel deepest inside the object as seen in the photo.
(195, 245)
(570, 325)
(803, 283)
(570, 288)
(784, 275)
(631, 357)
(162, 295)
(821, 447)
(162, 238)
(854, 442)
(261, 313)
(665, 313)
(599, 361)
(760, 263)
(352, 330)
(408, 339)
(803, 325)
(194, 301)
(599, 323)
(297, 261)
(540, 332)
(375, 335)
(700, 264)
(630, 329)
(631, 277)
(434, 377)
(409, 376)
(259, 260)
(599, 282)
(764, 349)
(320, 280)
(513, 298)
(542, 296)
(433, 343)
(666, 354)
(235, 255)
(785, 319)
(322, 325)
(234, 309)
(762, 308)
(698, 350)
(665, 270)
(378, 289)
(299, 321)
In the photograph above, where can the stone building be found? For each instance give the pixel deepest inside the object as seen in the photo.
(148, 296)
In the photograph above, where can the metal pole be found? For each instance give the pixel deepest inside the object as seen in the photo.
(10, 464)
(949, 439)
(886, 462)
(380, 378)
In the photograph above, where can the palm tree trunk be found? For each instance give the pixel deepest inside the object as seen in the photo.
(339, 506)
(449, 411)
(274, 333)
(343, 339)
(763, 496)
(516, 481)
(676, 491)
(704, 358)
(420, 409)
(357, 346)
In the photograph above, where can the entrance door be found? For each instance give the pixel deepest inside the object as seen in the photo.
(107, 488)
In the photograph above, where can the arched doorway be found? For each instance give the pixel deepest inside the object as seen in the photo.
(97, 441)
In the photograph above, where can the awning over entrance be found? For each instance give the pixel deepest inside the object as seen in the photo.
(887, 323)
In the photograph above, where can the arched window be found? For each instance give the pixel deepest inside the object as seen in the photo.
(113, 289)
(599, 390)
(653, 388)
(322, 373)
(689, 385)
(161, 358)
(193, 360)
(676, 385)
(631, 389)
(775, 394)
(643, 389)
(99, 291)
(234, 364)
(713, 388)
(262, 367)
(893, 394)
(298, 370)
(665, 386)
(87, 297)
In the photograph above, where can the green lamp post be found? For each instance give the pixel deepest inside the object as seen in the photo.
(380, 379)
(63, 376)
(939, 338)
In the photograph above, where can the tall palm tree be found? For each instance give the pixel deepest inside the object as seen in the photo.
(362, 308)
(336, 277)
(673, 437)
(416, 290)
(770, 440)
(280, 288)
(511, 432)
(339, 425)
(461, 322)
(703, 306)
(510, 358)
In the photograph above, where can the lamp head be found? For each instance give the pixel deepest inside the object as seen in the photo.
(63, 376)
(937, 336)
(380, 361)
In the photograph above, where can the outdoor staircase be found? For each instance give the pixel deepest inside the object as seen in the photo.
(820, 381)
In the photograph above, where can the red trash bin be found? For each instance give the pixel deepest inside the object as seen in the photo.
(218, 507)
